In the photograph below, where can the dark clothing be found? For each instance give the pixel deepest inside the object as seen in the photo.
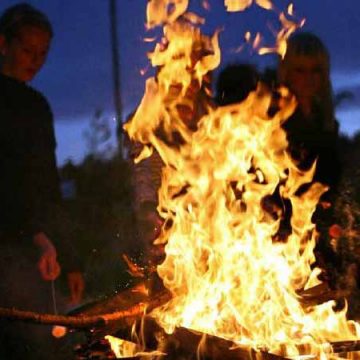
(29, 181)
(30, 202)
(30, 194)
(309, 141)
(22, 288)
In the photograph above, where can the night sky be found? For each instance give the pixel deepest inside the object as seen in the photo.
(77, 77)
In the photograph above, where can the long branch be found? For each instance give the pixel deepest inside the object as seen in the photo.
(83, 320)
(78, 321)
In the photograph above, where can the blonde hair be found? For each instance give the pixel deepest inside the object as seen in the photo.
(309, 45)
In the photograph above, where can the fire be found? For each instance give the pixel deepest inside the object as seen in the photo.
(122, 348)
(227, 275)
(240, 5)
(127, 349)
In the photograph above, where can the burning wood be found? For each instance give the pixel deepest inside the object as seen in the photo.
(187, 344)
(183, 343)
(227, 276)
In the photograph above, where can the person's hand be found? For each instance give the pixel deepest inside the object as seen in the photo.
(48, 266)
(76, 286)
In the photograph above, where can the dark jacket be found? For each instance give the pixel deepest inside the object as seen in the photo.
(309, 141)
(30, 195)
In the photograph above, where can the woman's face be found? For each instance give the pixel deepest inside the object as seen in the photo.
(25, 54)
(305, 77)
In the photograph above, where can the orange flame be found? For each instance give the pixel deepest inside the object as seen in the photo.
(226, 274)
(290, 9)
(161, 11)
(288, 27)
(241, 5)
(237, 5)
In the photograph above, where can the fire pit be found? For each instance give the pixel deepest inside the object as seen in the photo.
(182, 343)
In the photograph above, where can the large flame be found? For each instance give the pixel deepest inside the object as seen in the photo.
(227, 275)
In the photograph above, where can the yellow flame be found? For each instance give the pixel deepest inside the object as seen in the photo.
(241, 5)
(194, 18)
(127, 349)
(161, 11)
(288, 27)
(122, 348)
(266, 4)
(237, 5)
(227, 275)
(248, 36)
(290, 9)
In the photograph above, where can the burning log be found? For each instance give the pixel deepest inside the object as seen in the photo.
(346, 346)
(320, 294)
(188, 344)
(104, 317)
(181, 344)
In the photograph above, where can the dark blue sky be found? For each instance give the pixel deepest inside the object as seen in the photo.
(77, 77)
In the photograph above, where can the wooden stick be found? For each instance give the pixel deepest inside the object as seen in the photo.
(125, 316)
(79, 321)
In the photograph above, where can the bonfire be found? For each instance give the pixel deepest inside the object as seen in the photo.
(231, 289)
(226, 274)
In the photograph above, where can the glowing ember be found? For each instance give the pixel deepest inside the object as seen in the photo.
(227, 275)
(58, 331)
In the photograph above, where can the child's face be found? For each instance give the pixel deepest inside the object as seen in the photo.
(305, 77)
(25, 54)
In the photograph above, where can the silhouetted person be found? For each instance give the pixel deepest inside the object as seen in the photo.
(30, 195)
(312, 130)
